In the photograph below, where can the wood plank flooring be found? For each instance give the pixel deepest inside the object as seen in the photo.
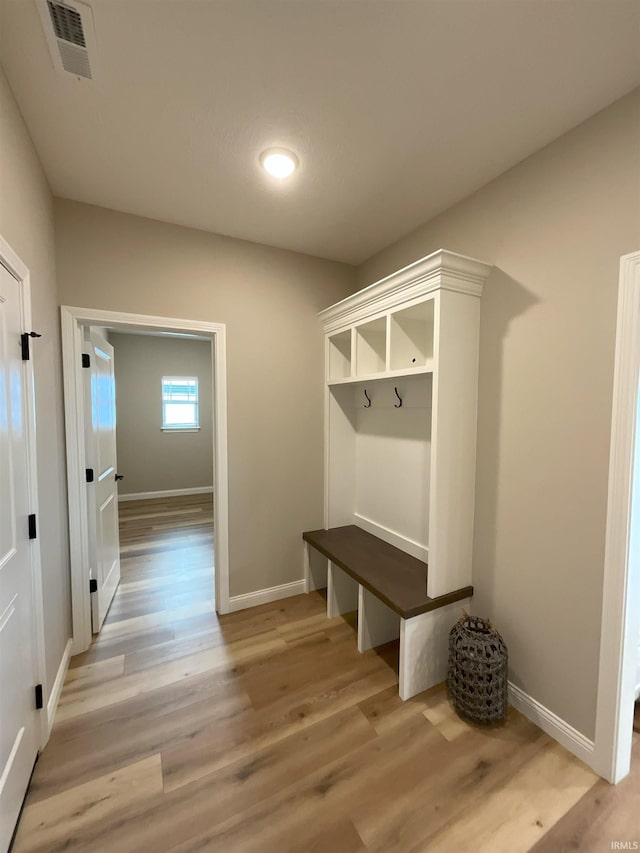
(180, 731)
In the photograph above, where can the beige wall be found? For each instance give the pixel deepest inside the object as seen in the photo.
(26, 223)
(268, 298)
(555, 227)
(150, 459)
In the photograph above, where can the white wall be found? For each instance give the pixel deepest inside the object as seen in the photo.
(26, 223)
(555, 226)
(150, 459)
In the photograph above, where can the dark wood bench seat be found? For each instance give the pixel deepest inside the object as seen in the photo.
(396, 578)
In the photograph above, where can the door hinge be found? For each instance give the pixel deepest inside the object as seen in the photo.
(86, 360)
(39, 697)
(89, 475)
(93, 585)
(24, 343)
(32, 526)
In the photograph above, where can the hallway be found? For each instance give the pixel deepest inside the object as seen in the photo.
(166, 558)
(266, 731)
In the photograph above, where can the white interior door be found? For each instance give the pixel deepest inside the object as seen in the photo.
(103, 491)
(18, 717)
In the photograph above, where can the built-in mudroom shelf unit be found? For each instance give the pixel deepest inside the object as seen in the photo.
(400, 460)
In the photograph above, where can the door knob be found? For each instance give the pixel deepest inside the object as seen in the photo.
(119, 477)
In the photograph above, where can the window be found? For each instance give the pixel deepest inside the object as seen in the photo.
(180, 402)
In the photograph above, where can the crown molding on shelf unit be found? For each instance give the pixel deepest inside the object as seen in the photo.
(441, 270)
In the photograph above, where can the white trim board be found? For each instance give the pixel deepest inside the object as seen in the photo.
(621, 586)
(56, 689)
(73, 320)
(166, 493)
(441, 269)
(265, 596)
(552, 724)
(409, 546)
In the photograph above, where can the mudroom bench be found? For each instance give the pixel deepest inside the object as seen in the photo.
(388, 588)
(401, 409)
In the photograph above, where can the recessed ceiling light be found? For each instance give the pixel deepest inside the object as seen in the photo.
(279, 162)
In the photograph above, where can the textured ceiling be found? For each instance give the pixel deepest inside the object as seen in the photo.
(396, 109)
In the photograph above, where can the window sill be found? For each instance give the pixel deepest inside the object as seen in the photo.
(180, 429)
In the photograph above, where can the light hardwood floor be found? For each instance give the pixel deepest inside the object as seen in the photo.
(266, 731)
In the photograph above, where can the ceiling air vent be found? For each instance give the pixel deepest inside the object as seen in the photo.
(69, 30)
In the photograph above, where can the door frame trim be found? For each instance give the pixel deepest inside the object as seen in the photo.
(12, 262)
(73, 319)
(621, 586)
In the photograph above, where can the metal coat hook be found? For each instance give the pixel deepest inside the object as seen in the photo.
(367, 405)
(397, 405)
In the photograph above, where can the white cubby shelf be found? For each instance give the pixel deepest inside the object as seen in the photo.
(386, 374)
(398, 342)
(339, 356)
(400, 456)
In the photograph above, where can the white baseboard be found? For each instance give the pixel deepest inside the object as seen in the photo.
(56, 690)
(168, 493)
(553, 725)
(265, 596)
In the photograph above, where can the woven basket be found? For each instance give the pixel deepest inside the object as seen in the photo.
(477, 679)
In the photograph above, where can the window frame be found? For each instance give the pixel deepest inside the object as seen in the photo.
(186, 427)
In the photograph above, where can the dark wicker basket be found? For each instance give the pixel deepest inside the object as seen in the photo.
(477, 679)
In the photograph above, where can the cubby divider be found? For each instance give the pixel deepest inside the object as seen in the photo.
(340, 355)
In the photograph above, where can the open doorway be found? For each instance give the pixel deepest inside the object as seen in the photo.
(155, 493)
(170, 444)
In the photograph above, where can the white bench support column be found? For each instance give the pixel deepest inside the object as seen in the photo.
(342, 592)
(424, 648)
(377, 623)
(316, 567)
